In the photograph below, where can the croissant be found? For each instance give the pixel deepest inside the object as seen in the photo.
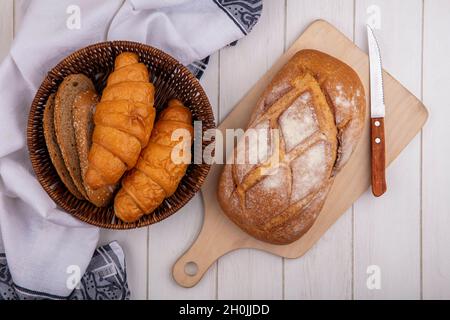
(156, 175)
(123, 122)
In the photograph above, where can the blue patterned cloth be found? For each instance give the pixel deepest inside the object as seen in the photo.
(244, 13)
(105, 279)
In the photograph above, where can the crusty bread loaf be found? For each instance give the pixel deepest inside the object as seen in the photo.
(318, 104)
(156, 176)
(83, 123)
(123, 122)
(69, 89)
(53, 148)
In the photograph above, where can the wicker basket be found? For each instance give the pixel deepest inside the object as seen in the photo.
(171, 80)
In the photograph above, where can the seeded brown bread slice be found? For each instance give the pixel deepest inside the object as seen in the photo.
(53, 149)
(83, 124)
(64, 100)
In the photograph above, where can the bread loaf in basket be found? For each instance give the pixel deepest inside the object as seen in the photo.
(97, 62)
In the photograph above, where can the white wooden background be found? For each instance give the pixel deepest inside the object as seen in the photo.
(406, 233)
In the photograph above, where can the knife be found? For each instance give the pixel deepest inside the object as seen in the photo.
(377, 113)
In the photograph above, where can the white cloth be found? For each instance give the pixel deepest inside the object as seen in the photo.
(42, 243)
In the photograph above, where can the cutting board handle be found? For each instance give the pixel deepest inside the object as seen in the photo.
(190, 267)
(209, 246)
(219, 235)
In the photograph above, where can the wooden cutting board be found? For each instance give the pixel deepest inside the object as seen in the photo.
(405, 116)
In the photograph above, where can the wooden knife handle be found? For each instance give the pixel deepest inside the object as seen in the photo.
(378, 157)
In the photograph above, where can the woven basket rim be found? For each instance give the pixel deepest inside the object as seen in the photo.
(42, 91)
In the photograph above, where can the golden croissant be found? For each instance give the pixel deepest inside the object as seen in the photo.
(157, 174)
(123, 122)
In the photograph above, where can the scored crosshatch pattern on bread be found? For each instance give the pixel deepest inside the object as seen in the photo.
(317, 104)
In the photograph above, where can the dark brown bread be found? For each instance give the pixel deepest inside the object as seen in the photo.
(64, 100)
(53, 149)
(83, 124)
(318, 104)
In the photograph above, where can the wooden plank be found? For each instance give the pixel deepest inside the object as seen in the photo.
(134, 245)
(250, 274)
(168, 239)
(311, 276)
(403, 123)
(387, 229)
(173, 236)
(6, 26)
(436, 153)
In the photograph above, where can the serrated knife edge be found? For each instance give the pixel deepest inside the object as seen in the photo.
(377, 107)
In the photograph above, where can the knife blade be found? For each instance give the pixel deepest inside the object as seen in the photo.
(377, 114)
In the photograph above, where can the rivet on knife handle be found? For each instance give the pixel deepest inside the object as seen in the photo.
(378, 157)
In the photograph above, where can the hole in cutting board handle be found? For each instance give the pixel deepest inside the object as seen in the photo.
(191, 268)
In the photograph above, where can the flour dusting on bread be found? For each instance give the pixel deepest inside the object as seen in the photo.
(310, 170)
(318, 105)
(298, 121)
